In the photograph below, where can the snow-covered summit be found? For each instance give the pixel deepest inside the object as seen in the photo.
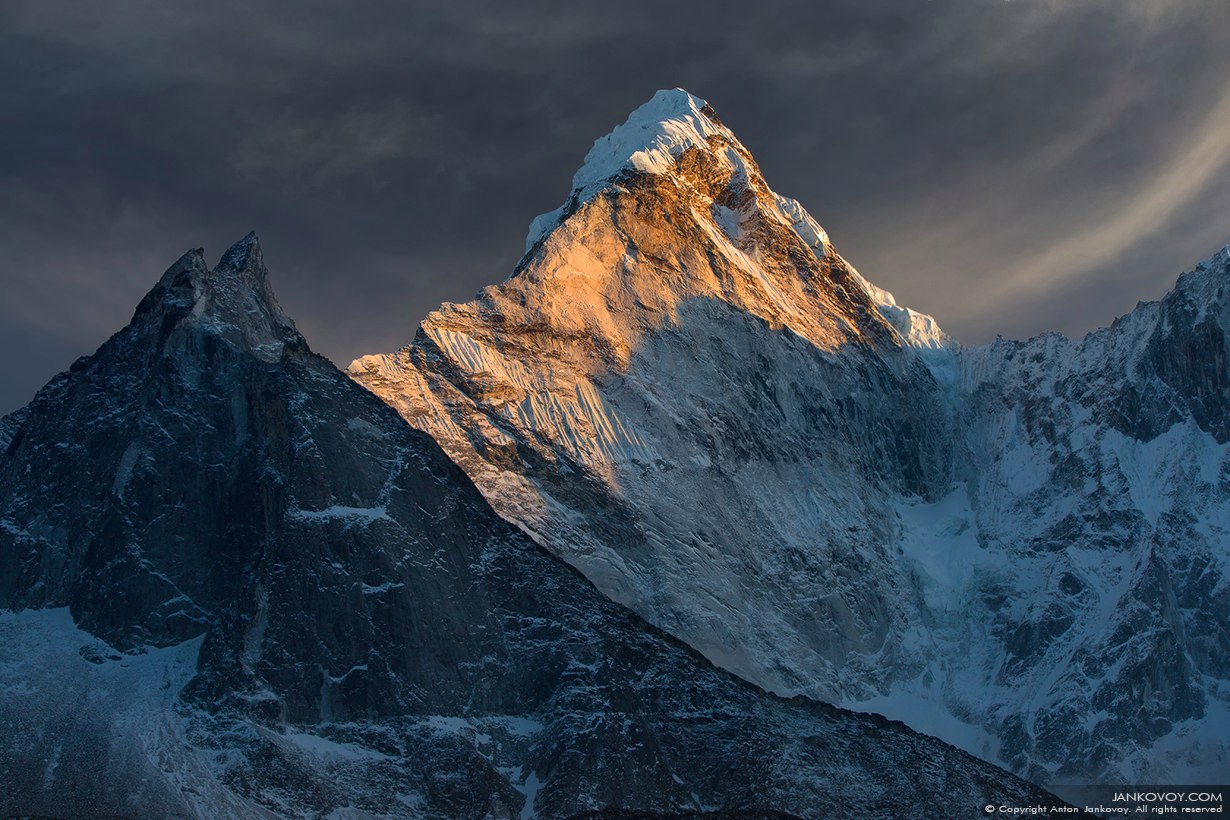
(655, 140)
(650, 140)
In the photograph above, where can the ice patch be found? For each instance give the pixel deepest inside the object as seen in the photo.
(918, 331)
(364, 514)
(794, 214)
(329, 750)
(1155, 478)
(385, 587)
(530, 790)
(92, 717)
(123, 472)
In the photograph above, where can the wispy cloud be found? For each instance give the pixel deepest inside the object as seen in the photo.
(337, 146)
(1197, 162)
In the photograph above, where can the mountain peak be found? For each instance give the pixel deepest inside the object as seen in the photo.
(650, 141)
(178, 286)
(1205, 286)
(233, 300)
(244, 255)
(674, 148)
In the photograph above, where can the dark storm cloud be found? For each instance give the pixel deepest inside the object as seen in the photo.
(1008, 166)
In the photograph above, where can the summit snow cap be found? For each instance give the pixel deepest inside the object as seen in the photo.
(650, 140)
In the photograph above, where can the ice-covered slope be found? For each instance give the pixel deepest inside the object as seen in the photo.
(241, 586)
(1099, 482)
(685, 392)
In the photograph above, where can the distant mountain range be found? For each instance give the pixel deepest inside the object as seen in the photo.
(684, 455)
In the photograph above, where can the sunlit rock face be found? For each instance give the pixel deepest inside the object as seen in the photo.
(236, 584)
(687, 394)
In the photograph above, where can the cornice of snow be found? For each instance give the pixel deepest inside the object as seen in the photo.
(918, 328)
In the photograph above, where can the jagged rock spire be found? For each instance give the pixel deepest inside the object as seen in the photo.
(233, 300)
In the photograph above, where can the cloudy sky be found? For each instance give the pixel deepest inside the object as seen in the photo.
(1009, 166)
